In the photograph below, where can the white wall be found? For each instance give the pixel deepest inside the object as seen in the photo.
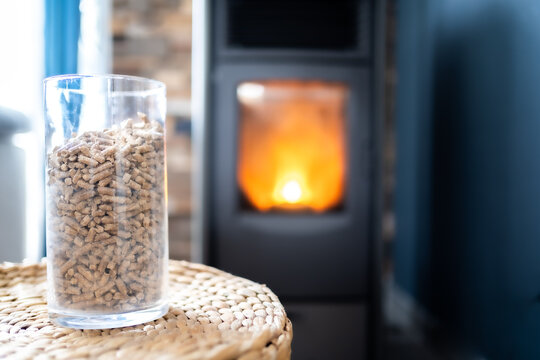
(21, 74)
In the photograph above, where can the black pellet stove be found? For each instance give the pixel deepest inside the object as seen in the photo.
(287, 125)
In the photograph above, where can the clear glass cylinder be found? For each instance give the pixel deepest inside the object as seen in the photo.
(106, 206)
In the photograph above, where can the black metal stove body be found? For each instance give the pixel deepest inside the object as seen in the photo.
(324, 266)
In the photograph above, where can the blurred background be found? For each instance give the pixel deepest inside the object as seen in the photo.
(422, 244)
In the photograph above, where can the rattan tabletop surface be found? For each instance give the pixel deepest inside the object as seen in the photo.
(212, 315)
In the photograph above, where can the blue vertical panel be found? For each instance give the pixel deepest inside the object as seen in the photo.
(468, 174)
(62, 29)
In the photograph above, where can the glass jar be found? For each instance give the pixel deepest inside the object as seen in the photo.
(106, 206)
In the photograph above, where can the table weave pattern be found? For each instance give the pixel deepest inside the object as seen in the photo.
(212, 315)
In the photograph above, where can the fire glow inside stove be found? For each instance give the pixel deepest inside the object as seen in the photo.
(292, 145)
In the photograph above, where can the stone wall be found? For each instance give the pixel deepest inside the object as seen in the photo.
(152, 38)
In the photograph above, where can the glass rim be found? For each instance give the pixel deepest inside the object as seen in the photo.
(155, 86)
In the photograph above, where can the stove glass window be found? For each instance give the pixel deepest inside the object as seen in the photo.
(292, 151)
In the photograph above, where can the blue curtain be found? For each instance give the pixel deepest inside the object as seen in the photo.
(468, 173)
(62, 28)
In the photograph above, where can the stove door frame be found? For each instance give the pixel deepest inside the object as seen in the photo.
(297, 255)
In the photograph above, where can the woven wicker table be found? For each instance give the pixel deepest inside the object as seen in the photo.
(212, 315)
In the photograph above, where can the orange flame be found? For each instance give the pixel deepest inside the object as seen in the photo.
(291, 152)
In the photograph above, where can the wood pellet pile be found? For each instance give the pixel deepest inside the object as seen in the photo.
(106, 221)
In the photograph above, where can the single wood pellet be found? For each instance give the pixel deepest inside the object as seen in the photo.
(106, 221)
